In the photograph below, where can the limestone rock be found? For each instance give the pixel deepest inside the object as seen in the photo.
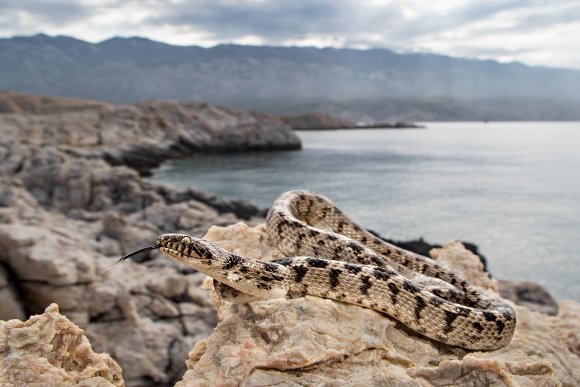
(146, 316)
(48, 349)
(530, 295)
(141, 315)
(314, 341)
(566, 325)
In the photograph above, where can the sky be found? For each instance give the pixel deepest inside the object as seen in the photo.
(535, 32)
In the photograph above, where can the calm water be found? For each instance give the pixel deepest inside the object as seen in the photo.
(511, 188)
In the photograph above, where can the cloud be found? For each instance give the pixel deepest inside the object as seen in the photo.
(20, 13)
(533, 31)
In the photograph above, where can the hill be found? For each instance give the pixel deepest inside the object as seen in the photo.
(358, 85)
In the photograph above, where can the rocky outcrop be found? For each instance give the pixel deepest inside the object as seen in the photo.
(60, 229)
(49, 350)
(143, 135)
(316, 121)
(314, 341)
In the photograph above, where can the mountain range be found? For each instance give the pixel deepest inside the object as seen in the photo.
(359, 85)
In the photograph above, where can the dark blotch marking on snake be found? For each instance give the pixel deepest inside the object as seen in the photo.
(270, 267)
(354, 269)
(382, 274)
(394, 292)
(366, 284)
(489, 316)
(266, 278)
(356, 248)
(300, 272)
(478, 326)
(500, 326)
(421, 304)
(334, 274)
(232, 261)
(319, 263)
(449, 318)
(410, 287)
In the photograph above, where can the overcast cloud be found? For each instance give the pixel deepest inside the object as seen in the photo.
(542, 32)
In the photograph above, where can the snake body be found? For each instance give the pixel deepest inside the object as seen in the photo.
(330, 256)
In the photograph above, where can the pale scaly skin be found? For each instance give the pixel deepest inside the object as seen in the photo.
(334, 258)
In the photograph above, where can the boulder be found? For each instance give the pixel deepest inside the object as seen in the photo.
(48, 349)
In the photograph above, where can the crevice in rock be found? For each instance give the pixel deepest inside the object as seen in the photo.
(175, 368)
(14, 286)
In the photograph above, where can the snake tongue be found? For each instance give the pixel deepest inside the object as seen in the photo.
(124, 257)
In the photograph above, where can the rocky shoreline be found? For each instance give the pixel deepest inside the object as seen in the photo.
(139, 136)
(73, 200)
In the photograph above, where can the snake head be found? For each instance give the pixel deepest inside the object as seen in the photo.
(181, 246)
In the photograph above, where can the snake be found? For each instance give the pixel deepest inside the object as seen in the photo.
(328, 255)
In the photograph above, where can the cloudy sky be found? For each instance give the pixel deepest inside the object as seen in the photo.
(536, 32)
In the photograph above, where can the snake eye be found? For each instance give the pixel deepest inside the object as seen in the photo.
(185, 240)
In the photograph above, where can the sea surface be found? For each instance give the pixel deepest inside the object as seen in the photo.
(511, 188)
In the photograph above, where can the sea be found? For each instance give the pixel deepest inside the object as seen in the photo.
(512, 188)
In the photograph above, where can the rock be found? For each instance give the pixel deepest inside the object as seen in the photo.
(315, 341)
(240, 208)
(529, 294)
(54, 254)
(566, 323)
(133, 312)
(50, 350)
(140, 136)
(317, 121)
